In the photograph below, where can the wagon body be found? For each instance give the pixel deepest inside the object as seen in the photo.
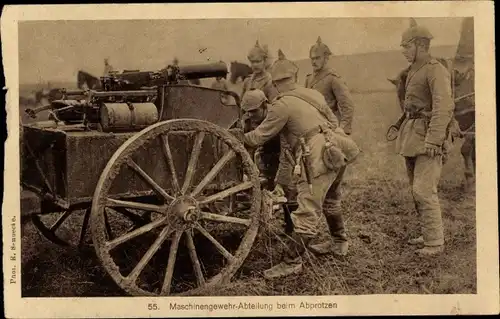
(140, 161)
(64, 165)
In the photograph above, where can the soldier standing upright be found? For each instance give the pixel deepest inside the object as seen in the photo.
(329, 83)
(306, 122)
(424, 133)
(260, 78)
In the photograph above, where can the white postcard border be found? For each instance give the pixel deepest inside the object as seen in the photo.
(485, 301)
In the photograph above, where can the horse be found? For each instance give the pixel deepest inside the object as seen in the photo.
(462, 75)
(239, 70)
(87, 81)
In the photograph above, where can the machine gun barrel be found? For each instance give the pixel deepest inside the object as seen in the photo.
(123, 93)
(206, 70)
(73, 92)
(33, 112)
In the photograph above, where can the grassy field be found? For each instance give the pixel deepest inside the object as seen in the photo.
(379, 218)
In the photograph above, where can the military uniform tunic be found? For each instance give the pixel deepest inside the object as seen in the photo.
(269, 153)
(261, 81)
(429, 107)
(292, 118)
(329, 83)
(428, 96)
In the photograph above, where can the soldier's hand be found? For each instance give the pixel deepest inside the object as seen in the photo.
(432, 150)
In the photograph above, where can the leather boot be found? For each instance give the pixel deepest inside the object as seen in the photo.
(291, 263)
(338, 244)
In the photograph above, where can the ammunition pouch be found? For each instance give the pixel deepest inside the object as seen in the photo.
(339, 149)
(332, 156)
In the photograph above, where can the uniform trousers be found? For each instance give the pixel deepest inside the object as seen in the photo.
(424, 173)
(325, 198)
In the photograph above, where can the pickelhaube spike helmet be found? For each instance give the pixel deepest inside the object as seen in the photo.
(414, 32)
(257, 52)
(283, 68)
(320, 48)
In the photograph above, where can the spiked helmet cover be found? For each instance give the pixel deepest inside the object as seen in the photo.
(415, 32)
(257, 52)
(320, 48)
(283, 68)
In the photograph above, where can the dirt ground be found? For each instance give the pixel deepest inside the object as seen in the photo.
(379, 217)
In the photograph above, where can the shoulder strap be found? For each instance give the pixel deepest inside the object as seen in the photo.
(318, 79)
(313, 102)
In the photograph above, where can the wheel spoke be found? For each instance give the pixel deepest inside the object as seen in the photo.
(225, 219)
(167, 282)
(170, 161)
(134, 274)
(107, 225)
(226, 192)
(85, 224)
(194, 258)
(136, 219)
(213, 172)
(134, 205)
(137, 232)
(60, 220)
(149, 180)
(214, 241)
(195, 153)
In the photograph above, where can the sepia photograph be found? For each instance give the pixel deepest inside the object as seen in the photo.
(249, 157)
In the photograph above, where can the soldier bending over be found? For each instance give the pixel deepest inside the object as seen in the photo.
(303, 118)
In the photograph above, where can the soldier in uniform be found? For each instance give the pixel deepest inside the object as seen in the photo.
(329, 83)
(260, 78)
(267, 156)
(303, 118)
(424, 134)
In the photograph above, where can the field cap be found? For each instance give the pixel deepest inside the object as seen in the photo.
(252, 100)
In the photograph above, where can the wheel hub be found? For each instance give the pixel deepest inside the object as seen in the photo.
(185, 208)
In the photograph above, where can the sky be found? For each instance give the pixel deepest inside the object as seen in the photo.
(56, 50)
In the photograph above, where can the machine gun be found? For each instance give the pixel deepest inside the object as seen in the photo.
(126, 101)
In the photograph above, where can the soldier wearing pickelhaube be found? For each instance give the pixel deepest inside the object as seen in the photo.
(423, 135)
(304, 120)
(267, 156)
(327, 81)
(260, 78)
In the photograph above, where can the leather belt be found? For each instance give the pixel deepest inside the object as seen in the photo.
(312, 132)
(415, 115)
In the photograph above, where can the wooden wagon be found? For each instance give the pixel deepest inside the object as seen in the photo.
(149, 166)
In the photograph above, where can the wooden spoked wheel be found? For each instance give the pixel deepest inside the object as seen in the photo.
(60, 227)
(187, 247)
(69, 228)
